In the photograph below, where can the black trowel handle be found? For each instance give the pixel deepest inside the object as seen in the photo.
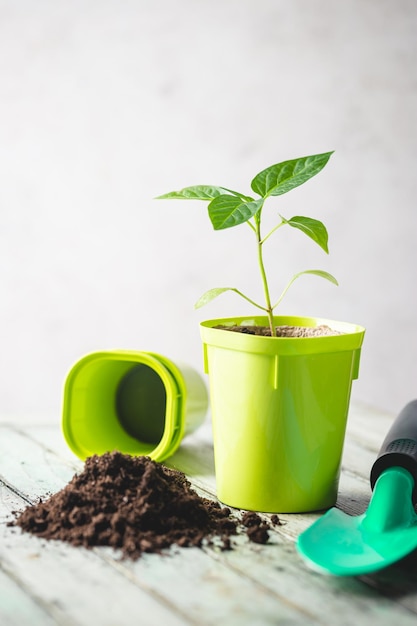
(400, 446)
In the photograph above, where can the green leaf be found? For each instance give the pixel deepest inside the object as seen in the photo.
(320, 273)
(282, 177)
(314, 229)
(239, 195)
(227, 211)
(209, 295)
(197, 192)
(201, 192)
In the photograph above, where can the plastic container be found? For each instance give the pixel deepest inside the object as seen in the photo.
(139, 403)
(279, 411)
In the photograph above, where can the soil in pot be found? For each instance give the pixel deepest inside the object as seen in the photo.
(283, 331)
(136, 505)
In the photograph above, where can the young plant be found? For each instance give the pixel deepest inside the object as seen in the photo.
(228, 208)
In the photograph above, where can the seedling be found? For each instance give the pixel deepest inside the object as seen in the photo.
(228, 208)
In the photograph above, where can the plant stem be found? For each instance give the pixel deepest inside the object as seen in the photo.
(272, 231)
(252, 302)
(249, 223)
(269, 309)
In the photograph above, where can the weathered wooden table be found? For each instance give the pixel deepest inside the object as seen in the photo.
(47, 582)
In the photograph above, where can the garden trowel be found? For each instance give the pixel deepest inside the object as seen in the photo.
(344, 545)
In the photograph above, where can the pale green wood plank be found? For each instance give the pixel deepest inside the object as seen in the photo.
(34, 470)
(17, 607)
(358, 460)
(365, 432)
(47, 436)
(368, 426)
(332, 600)
(198, 567)
(75, 584)
(278, 568)
(354, 489)
(398, 582)
(353, 498)
(194, 457)
(354, 493)
(216, 590)
(190, 581)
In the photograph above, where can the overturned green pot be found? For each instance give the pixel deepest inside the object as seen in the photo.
(279, 410)
(138, 403)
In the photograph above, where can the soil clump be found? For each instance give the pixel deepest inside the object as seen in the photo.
(135, 505)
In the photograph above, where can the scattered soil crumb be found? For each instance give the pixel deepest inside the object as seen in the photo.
(283, 331)
(135, 505)
(257, 529)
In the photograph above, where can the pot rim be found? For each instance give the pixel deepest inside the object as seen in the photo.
(350, 339)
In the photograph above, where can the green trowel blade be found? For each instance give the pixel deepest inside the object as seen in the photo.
(350, 546)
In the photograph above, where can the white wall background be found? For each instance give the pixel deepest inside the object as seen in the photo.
(107, 103)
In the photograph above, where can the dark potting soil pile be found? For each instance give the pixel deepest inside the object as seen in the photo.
(136, 505)
(283, 331)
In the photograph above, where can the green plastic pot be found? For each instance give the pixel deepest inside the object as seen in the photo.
(279, 412)
(138, 403)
